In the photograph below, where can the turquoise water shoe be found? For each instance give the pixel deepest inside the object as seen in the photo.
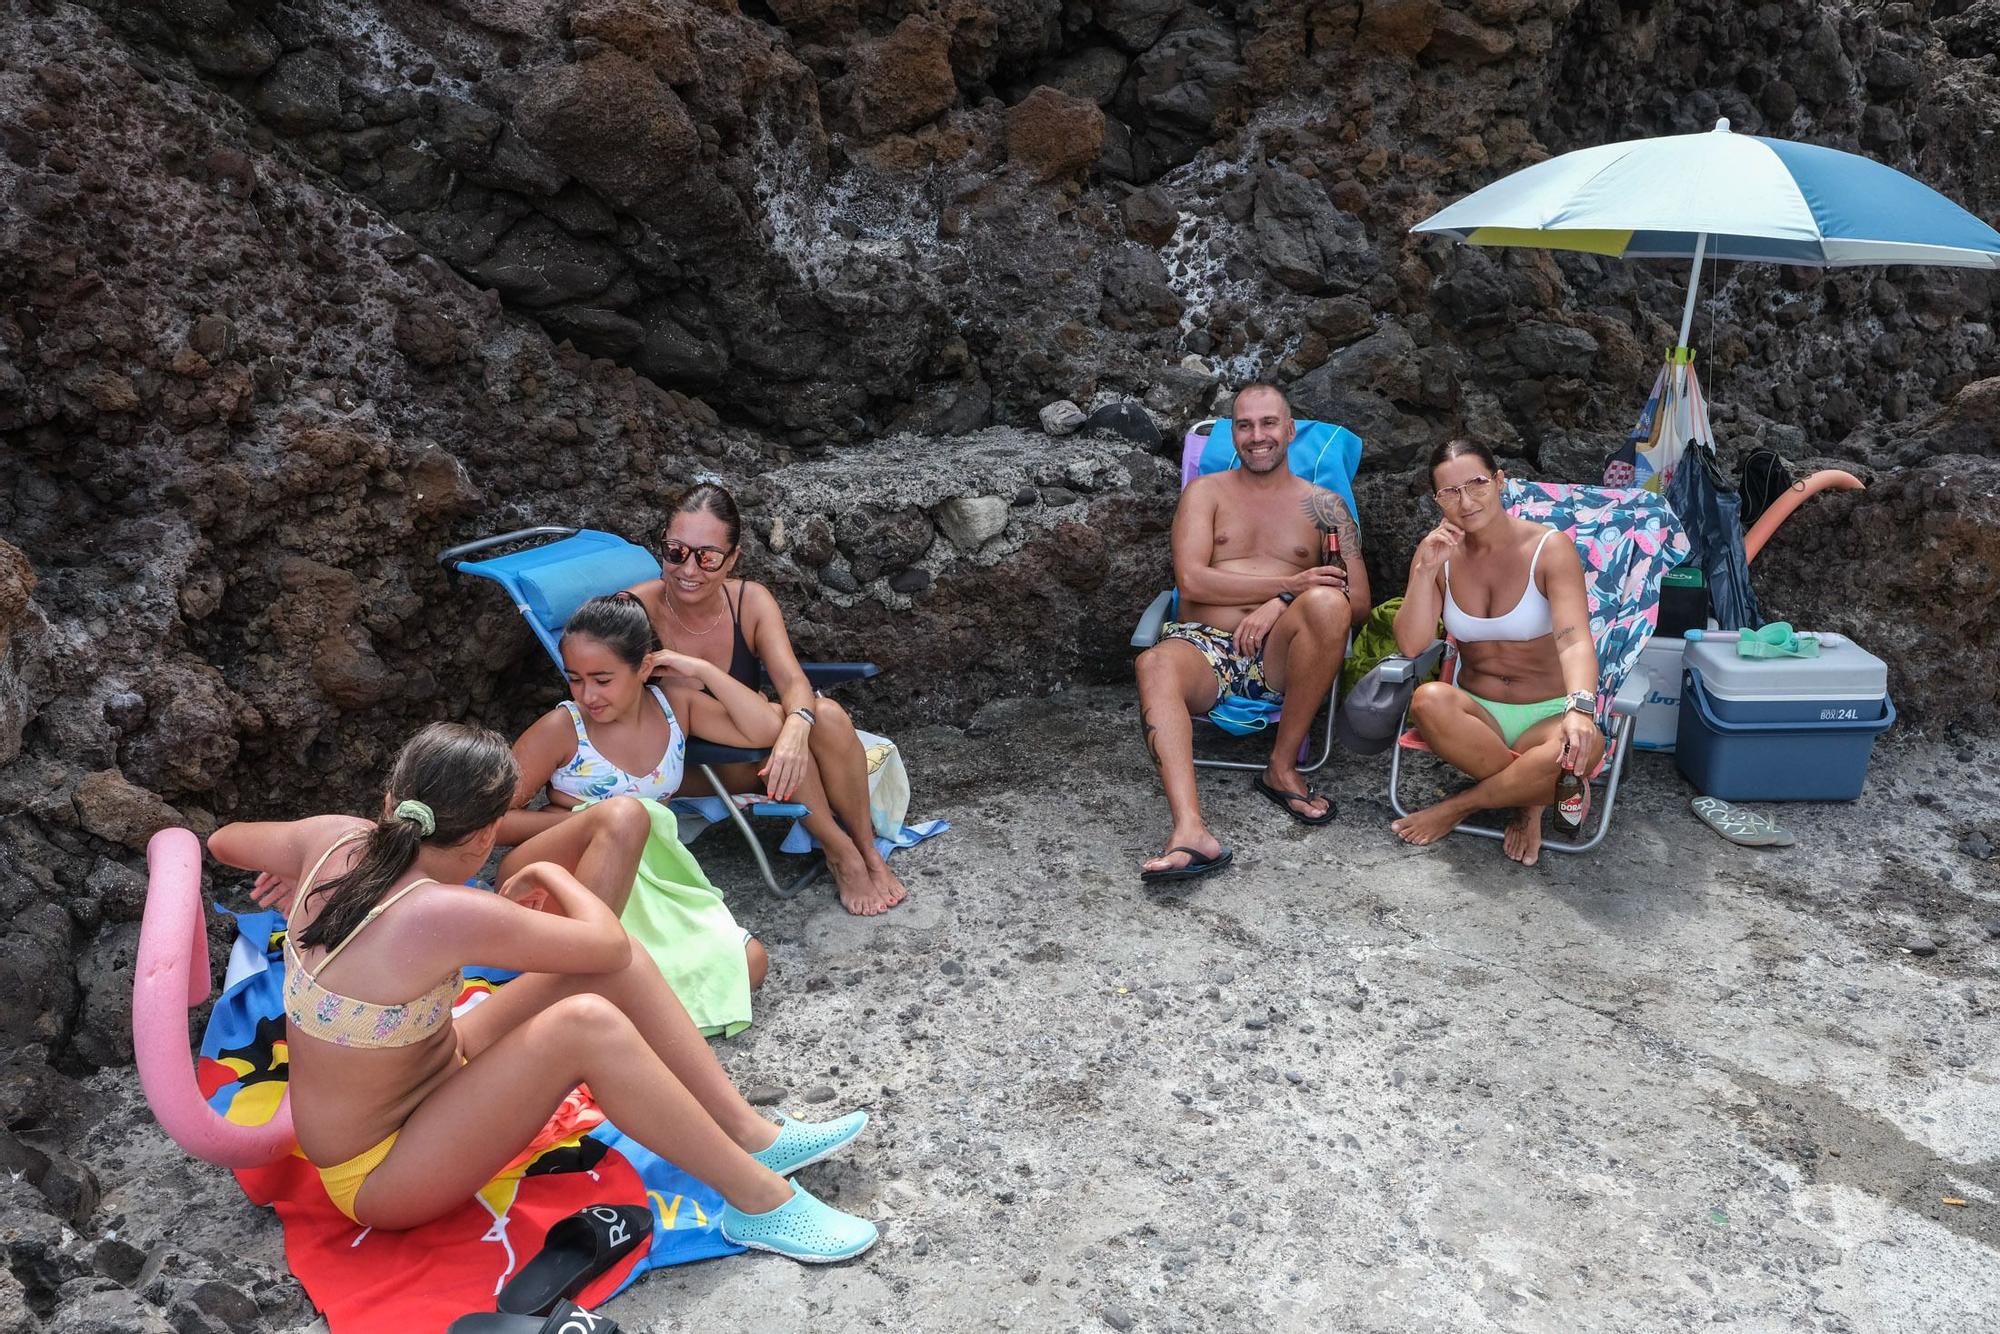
(800, 1143)
(801, 1228)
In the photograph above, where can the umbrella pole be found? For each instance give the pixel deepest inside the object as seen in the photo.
(1694, 285)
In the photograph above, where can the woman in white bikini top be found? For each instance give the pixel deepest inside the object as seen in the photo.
(1523, 706)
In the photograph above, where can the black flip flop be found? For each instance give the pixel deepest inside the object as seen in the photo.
(566, 1318)
(1284, 801)
(578, 1249)
(1197, 867)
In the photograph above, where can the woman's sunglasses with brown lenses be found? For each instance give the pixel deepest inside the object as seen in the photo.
(708, 558)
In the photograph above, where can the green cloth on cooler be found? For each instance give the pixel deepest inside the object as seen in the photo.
(682, 921)
(1776, 640)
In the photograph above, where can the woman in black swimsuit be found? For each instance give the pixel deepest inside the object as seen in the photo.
(699, 610)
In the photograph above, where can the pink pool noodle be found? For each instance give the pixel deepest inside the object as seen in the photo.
(171, 979)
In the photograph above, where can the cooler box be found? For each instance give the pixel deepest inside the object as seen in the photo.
(1659, 719)
(1780, 729)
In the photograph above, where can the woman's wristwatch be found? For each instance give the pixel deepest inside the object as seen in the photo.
(1582, 701)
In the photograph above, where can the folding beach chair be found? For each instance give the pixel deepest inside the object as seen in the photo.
(550, 581)
(1322, 453)
(1629, 540)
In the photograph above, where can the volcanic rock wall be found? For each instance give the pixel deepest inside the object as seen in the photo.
(294, 293)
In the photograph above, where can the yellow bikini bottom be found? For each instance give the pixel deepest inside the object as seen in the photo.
(343, 1182)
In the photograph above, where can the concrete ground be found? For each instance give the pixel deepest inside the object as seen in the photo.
(1353, 1085)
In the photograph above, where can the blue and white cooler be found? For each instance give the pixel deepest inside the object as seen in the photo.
(1781, 729)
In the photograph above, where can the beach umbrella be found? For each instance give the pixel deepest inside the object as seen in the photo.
(1714, 196)
(1722, 196)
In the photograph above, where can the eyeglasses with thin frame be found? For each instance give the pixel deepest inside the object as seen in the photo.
(708, 558)
(1469, 489)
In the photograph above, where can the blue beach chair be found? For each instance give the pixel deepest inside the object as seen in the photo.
(1322, 453)
(550, 580)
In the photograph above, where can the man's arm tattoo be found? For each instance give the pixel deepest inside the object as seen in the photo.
(1328, 513)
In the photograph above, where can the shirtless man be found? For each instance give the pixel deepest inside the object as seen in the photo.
(1260, 618)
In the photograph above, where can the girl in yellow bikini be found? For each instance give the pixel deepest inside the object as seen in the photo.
(407, 1110)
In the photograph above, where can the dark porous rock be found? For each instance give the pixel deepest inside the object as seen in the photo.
(33, 1241)
(190, 729)
(1150, 215)
(69, 1187)
(614, 126)
(15, 1315)
(1137, 294)
(98, 1306)
(1053, 134)
(224, 1304)
(1340, 319)
(1134, 24)
(904, 79)
(1305, 242)
(877, 541)
(239, 53)
(1093, 72)
(1547, 348)
(840, 579)
(118, 810)
(764, 1095)
(37, 982)
(104, 971)
(302, 92)
(812, 542)
(1399, 27)
(818, 1093)
(119, 1260)
(911, 581)
(1125, 419)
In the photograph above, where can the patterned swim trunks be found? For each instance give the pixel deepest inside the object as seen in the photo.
(1235, 674)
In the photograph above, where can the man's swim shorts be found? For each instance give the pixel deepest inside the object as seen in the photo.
(1235, 673)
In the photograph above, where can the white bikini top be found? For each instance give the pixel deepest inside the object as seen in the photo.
(1530, 618)
(589, 776)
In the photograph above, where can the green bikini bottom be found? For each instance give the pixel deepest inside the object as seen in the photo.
(1515, 719)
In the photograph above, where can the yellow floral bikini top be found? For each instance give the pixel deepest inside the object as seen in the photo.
(342, 1020)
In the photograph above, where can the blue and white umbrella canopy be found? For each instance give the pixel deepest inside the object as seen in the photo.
(1748, 196)
(1724, 196)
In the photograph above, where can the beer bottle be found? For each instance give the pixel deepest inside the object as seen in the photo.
(1571, 804)
(1333, 556)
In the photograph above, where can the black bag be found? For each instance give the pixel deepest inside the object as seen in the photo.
(1761, 478)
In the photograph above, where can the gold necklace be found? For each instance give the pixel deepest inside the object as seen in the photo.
(668, 598)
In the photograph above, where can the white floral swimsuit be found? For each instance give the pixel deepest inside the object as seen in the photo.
(589, 776)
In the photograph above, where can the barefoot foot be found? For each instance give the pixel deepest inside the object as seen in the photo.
(1524, 835)
(1427, 825)
(892, 889)
(859, 893)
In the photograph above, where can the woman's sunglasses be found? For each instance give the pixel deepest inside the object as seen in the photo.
(708, 558)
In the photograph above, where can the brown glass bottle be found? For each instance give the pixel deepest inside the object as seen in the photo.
(1572, 805)
(1333, 556)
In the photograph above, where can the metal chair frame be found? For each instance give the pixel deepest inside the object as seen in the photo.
(1625, 708)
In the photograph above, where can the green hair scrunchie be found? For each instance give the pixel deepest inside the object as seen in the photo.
(417, 811)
